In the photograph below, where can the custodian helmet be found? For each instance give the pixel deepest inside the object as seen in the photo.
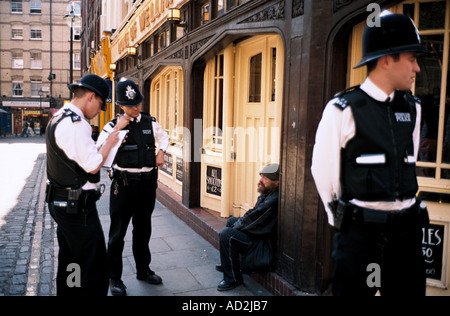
(397, 33)
(95, 84)
(127, 93)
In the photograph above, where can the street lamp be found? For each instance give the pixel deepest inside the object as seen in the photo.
(71, 20)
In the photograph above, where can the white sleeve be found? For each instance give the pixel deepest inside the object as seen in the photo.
(416, 133)
(161, 137)
(74, 138)
(335, 129)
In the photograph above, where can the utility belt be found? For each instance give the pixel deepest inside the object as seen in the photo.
(75, 201)
(345, 213)
(126, 176)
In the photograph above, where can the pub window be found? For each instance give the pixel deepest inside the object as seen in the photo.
(255, 79)
(273, 71)
(214, 104)
(16, 6)
(166, 104)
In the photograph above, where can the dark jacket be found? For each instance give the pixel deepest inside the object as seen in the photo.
(261, 221)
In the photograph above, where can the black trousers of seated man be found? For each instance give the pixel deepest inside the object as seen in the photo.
(233, 244)
(132, 202)
(81, 242)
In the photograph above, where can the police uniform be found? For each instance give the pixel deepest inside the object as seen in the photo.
(364, 169)
(71, 195)
(133, 189)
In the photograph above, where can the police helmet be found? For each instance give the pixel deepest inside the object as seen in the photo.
(396, 33)
(95, 84)
(271, 171)
(127, 93)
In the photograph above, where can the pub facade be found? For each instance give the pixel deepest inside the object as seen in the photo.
(239, 84)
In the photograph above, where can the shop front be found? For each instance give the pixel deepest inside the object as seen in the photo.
(242, 88)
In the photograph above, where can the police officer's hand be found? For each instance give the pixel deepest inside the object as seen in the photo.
(122, 122)
(160, 158)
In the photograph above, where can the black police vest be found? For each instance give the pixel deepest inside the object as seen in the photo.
(378, 164)
(139, 148)
(62, 171)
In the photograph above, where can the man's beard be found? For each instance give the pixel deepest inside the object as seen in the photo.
(266, 189)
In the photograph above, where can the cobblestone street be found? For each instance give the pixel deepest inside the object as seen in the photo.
(27, 233)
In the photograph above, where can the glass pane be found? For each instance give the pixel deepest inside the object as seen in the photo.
(428, 89)
(255, 78)
(408, 9)
(432, 15)
(445, 174)
(426, 172)
(274, 68)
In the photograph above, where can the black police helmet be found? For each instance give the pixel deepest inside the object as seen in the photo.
(95, 84)
(397, 33)
(127, 93)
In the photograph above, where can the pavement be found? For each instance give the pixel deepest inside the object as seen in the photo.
(28, 245)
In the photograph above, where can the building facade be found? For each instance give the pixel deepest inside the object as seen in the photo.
(238, 84)
(35, 60)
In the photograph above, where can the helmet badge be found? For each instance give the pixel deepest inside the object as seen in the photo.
(130, 93)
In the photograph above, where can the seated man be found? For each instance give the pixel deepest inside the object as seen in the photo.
(257, 224)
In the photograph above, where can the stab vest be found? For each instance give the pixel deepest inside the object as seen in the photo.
(62, 171)
(378, 164)
(139, 148)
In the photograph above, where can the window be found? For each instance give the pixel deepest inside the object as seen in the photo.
(16, 6)
(35, 7)
(35, 33)
(36, 86)
(254, 94)
(77, 61)
(77, 33)
(35, 60)
(17, 33)
(17, 88)
(433, 166)
(166, 102)
(17, 60)
(213, 107)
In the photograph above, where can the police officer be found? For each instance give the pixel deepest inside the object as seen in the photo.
(364, 168)
(73, 164)
(133, 189)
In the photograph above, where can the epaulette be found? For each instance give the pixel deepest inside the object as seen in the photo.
(341, 101)
(416, 99)
(153, 119)
(73, 116)
(341, 93)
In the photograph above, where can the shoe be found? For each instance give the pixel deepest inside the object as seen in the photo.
(219, 267)
(117, 288)
(149, 277)
(227, 286)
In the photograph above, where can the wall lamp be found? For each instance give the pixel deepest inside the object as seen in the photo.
(175, 17)
(112, 67)
(131, 50)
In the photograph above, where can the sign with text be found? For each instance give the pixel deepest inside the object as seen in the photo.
(433, 248)
(214, 180)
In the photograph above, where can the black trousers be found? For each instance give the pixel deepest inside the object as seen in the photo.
(81, 242)
(387, 257)
(132, 202)
(233, 243)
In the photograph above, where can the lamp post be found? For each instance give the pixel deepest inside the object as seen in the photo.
(71, 20)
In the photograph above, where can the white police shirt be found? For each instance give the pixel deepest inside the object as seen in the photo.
(335, 129)
(74, 138)
(161, 138)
